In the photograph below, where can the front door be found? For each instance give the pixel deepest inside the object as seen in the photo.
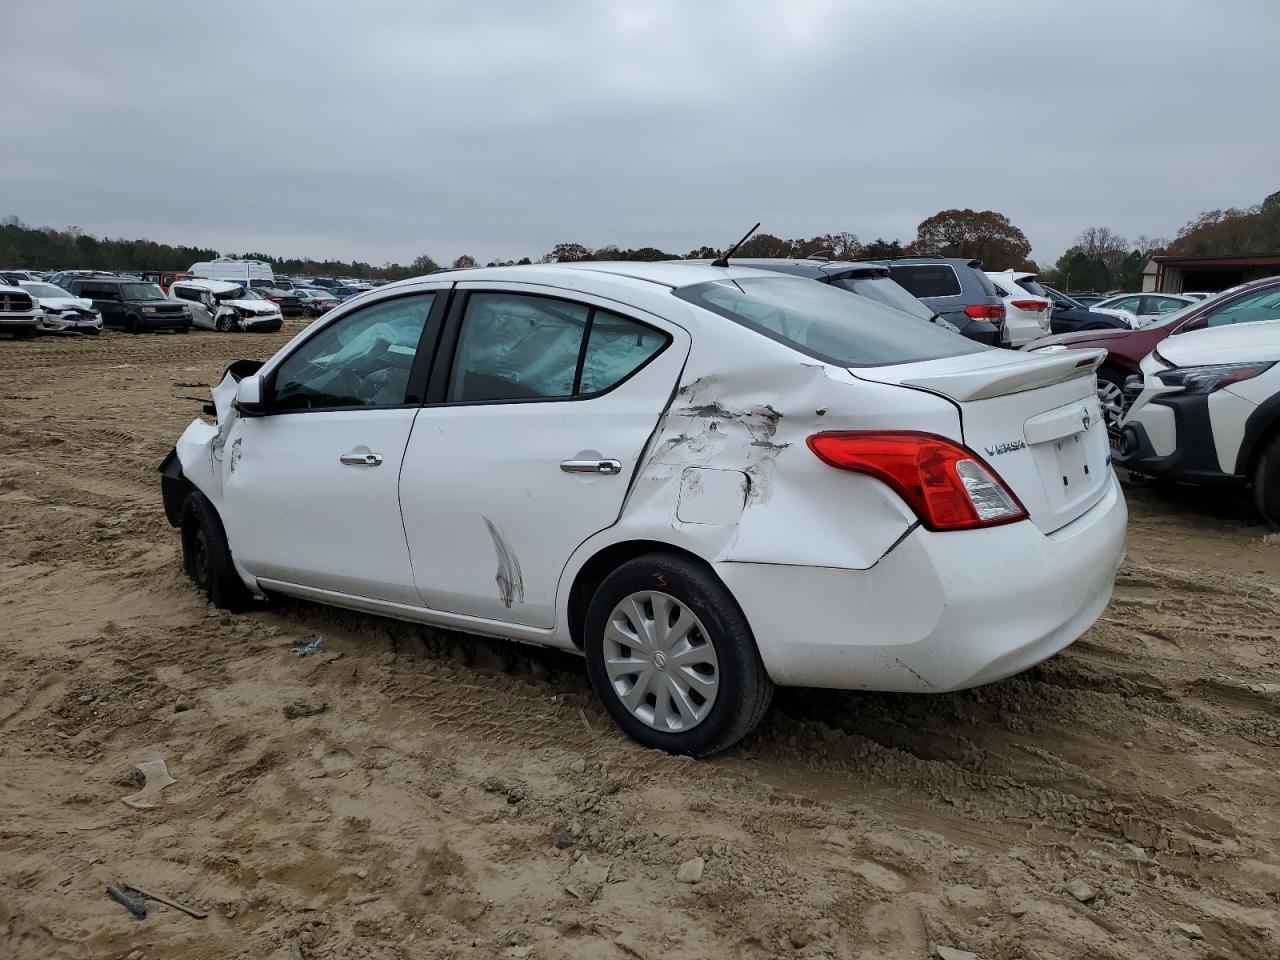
(529, 444)
(311, 486)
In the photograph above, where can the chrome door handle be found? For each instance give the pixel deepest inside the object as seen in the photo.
(362, 459)
(606, 467)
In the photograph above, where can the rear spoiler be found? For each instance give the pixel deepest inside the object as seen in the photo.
(1030, 373)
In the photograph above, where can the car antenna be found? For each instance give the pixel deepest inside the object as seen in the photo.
(723, 259)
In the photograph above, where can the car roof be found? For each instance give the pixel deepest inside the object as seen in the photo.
(672, 274)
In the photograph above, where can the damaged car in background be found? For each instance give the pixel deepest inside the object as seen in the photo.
(226, 306)
(707, 479)
(60, 312)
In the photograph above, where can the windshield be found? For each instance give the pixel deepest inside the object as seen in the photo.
(888, 292)
(239, 293)
(47, 290)
(141, 291)
(825, 323)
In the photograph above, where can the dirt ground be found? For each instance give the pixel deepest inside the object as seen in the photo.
(418, 816)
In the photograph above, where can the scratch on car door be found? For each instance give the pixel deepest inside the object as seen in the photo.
(510, 582)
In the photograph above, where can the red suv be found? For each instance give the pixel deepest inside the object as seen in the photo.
(1256, 300)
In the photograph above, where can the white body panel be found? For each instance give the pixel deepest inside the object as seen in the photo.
(297, 514)
(239, 271)
(711, 437)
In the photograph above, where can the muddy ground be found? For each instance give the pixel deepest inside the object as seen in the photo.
(419, 815)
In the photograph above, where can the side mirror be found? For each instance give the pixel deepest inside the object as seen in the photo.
(249, 396)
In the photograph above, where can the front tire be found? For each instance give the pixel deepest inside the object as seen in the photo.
(672, 659)
(131, 325)
(206, 556)
(1111, 397)
(1266, 482)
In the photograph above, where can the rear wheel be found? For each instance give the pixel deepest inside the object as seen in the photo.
(206, 556)
(1266, 482)
(672, 658)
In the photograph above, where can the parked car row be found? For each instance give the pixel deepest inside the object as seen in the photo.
(1126, 347)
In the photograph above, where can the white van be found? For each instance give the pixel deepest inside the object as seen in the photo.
(247, 273)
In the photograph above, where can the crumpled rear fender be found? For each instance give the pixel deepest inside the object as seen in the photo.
(730, 470)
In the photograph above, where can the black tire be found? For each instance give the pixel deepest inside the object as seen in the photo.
(206, 557)
(222, 325)
(131, 324)
(744, 690)
(1115, 378)
(25, 333)
(1266, 482)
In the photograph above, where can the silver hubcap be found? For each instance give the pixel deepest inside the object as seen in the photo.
(1112, 399)
(660, 662)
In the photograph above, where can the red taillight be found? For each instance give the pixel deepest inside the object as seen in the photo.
(985, 311)
(1035, 306)
(276, 299)
(947, 486)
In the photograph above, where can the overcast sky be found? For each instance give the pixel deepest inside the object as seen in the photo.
(380, 131)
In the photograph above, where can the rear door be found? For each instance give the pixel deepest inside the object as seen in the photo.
(539, 410)
(1035, 420)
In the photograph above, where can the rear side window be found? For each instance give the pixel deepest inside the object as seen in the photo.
(927, 279)
(616, 348)
(828, 324)
(1029, 284)
(519, 347)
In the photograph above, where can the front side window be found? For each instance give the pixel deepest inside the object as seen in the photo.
(827, 324)
(1263, 305)
(1163, 304)
(925, 280)
(363, 360)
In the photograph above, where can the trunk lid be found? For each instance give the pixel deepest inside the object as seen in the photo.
(1034, 419)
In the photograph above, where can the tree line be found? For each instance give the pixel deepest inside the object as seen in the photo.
(1100, 259)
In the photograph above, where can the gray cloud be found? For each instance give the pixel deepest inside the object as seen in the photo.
(384, 130)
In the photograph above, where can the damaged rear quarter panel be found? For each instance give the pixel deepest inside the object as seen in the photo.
(754, 415)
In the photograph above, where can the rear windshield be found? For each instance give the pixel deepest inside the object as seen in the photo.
(886, 291)
(825, 323)
(927, 279)
(1029, 284)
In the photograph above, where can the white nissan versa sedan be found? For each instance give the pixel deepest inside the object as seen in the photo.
(709, 480)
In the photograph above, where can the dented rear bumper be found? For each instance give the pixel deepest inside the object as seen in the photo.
(939, 612)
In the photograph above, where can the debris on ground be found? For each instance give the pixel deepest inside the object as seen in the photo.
(1192, 930)
(951, 953)
(315, 645)
(155, 776)
(160, 898)
(292, 711)
(136, 907)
